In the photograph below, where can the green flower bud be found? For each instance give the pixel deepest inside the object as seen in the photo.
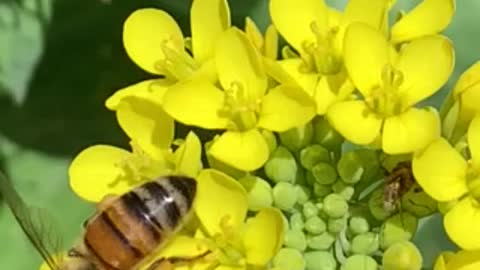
(303, 194)
(325, 134)
(324, 173)
(270, 139)
(300, 177)
(298, 137)
(320, 260)
(296, 222)
(289, 258)
(344, 190)
(335, 206)
(323, 241)
(398, 228)
(402, 255)
(315, 225)
(365, 243)
(281, 167)
(295, 239)
(321, 190)
(284, 196)
(313, 154)
(359, 262)
(310, 210)
(444, 207)
(359, 164)
(418, 203)
(259, 192)
(375, 204)
(336, 225)
(358, 225)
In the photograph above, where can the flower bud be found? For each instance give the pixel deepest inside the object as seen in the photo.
(320, 260)
(295, 239)
(358, 225)
(289, 258)
(270, 139)
(259, 192)
(303, 194)
(361, 164)
(281, 167)
(418, 203)
(310, 210)
(325, 134)
(321, 190)
(284, 196)
(313, 154)
(324, 173)
(398, 228)
(403, 255)
(335, 206)
(315, 225)
(365, 243)
(344, 190)
(323, 241)
(359, 262)
(336, 225)
(298, 137)
(296, 222)
(375, 204)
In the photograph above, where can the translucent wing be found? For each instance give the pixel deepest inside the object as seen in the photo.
(34, 222)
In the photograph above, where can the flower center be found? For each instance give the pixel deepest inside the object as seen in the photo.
(473, 182)
(241, 109)
(385, 99)
(320, 55)
(177, 64)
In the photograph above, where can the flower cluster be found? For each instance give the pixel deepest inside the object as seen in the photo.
(293, 175)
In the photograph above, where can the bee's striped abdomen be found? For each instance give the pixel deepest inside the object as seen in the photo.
(139, 221)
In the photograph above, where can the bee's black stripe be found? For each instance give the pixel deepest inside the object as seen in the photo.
(161, 196)
(100, 258)
(120, 235)
(136, 206)
(186, 187)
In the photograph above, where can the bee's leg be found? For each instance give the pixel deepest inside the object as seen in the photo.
(168, 264)
(105, 202)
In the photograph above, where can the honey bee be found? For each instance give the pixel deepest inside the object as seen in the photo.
(124, 230)
(397, 183)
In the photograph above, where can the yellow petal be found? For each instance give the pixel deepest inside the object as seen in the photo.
(246, 151)
(468, 81)
(464, 260)
(429, 17)
(410, 131)
(93, 171)
(188, 156)
(369, 12)
(152, 90)
(195, 102)
(263, 236)
(293, 19)
(182, 246)
(145, 32)
(285, 107)
(366, 52)
(473, 137)
(238, 62)
(355, 121)
(324, 97)
(442, 259)
(440, 171)
(461, 224)
(291, 67)
(208, 19)
(221, 201)
(426, 64)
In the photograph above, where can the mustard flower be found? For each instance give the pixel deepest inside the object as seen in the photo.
(316, 32)
(391, 84)
(461, 260)
(267, 45)
(103, 169)
(240, 103)
(448, 176)
(234, 241)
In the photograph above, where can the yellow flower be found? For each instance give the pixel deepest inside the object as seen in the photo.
(461, 260)
(317, 32)
(235, 243)
(391, 84)
(447, 176)
(427, 18)
(103, 169)
(267, 46)
(242, 105)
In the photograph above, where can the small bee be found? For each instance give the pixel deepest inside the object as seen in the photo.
(123, 232)
(397, 183)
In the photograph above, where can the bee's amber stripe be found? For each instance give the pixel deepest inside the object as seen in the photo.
(108, 245)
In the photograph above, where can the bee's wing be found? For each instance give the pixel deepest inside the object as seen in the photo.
(34, 222)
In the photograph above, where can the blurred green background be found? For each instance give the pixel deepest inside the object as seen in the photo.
(59, 61)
